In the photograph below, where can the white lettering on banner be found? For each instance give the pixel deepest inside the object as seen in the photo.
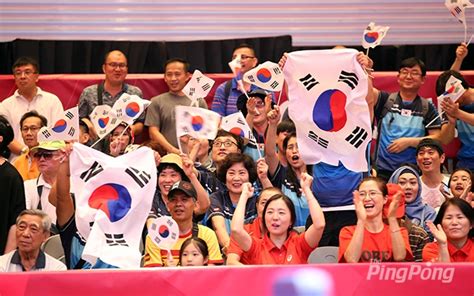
(402, 274)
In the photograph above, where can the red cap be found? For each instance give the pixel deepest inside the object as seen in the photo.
(392, 190)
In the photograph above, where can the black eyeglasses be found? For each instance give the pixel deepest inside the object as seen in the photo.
(115, 65)
(45, 155)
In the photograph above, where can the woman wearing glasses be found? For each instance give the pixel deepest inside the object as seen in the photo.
(370, 240)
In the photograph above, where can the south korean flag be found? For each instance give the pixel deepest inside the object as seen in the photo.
(197, 122)
(198, 87)
(327, 91)
(266, 76)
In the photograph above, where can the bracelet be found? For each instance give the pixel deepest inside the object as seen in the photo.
(397, 230)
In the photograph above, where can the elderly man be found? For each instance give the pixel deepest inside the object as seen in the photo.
(115, 68)
(30, 124)
(48, 157)
(26, 98)
(32, 229)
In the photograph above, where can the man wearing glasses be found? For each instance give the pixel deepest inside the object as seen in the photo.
(225, 98)
(404, 119)
(26, 98)
(115, 68)
(30, 124)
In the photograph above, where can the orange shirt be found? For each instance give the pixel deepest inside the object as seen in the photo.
(253, 229)
(295, 250)
(26, 169)
(375, 247)
(465, 254)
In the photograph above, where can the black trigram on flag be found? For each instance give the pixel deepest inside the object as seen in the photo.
(276, 70)
(320, 141)
(458, 10)
(349, 78)
(115, 240)
(206, 86)
(240, 121)
(274, 84)
(46, 134)
(251, 78)
(198, 79)
(309, 82)
(69, 115)
(71, 131)
(92, 171)
(357, 137)
(141, 177)
(119, 112)
(192, 90)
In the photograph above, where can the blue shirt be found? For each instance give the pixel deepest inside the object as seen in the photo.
(466, 136)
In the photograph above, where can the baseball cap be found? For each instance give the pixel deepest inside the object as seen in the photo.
(49, 145)
(183, 186)
(392, 190)
(242, 99)
(428, 142)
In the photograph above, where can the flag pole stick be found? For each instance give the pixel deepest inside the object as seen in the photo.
(465, 32)
(95, 143)
(470, 39)
(367, 52)
(279, 97)
(434, 119)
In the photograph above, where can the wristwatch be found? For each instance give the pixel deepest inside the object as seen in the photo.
(24, 150)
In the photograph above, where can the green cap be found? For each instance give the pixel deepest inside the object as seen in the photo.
(49, 145)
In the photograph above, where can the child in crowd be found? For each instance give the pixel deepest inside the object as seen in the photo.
(194, 252)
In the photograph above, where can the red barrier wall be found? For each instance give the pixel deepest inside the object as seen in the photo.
(346, 279)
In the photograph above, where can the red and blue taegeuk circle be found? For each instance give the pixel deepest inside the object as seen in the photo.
(329, 112)
(371, 37)
(132, 109)
(113, 199)
(60, 126)
(264, 75)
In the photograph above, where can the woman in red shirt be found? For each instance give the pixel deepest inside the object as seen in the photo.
(370, 240)
(453, 233)
(280, 243)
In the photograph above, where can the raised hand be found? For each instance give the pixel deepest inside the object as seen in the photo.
(262, 168)
(437, 232)
(247, 190)
(282, 61)
(359, 206)
(273, 116)
(188, 165)
(306, 181)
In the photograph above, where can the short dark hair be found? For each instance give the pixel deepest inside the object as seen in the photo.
(244, 45)
(288, 203)
(198, 243)
(276, 190)
(233, 158)
(83, 126)
(412, 62)
(380, 183)
(463, 205)
(6, 131)
(286, 126)
(34, 113)
(238, 139)
(443, 79)
(108, 53)
(23, 61)
(178, 60)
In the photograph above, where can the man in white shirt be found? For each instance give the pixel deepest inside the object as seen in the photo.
(26, 98)
(48, 157)
(32, 229)
(429, 158)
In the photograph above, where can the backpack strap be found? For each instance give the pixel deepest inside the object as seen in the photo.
(228, 86)
(425, 105)
(195, 231)
(100, 91)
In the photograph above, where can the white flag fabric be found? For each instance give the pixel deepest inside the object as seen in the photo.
(237, 125)
(113, 200)
(453, 90)
(235, 65)
(327, 90)
(129, 107)
(164, 232)
(197, 122)
(104, 120)
(373, 35)
(267, 76)
(66, 128)
(198, 86)
(456, 7)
